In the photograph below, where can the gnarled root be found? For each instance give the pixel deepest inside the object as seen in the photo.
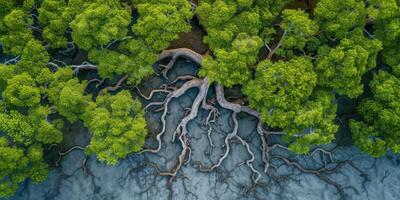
(201, 102)
(163, 89)
(95, 80)
(236, 108)
(195, 83)
(182, 131)
(276, 47)
(114, 88)
(62, 154)
(70, 50)
(174, 54)
(84, 65)
(13, 60)
(227, 144)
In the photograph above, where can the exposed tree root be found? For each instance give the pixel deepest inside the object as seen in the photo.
(163, 89)
(317, 172)
(70, 50)
(98, 81)
(114, 88)
(62, 154)
(174, 54)
(177, 93)
(276, 47)
(200, 101)
(59, 62)
(226, 144)
(85, 65)
(52, 64)
(116, 41)
(12, 61)
(193, 4)
(85, 169)
(215, 113)
(182, 131)
(266, 148)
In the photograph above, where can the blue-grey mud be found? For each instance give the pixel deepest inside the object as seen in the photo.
(336, 171)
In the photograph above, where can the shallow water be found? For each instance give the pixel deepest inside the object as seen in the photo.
(134, 178)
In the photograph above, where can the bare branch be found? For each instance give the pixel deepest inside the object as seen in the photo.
(272, 52)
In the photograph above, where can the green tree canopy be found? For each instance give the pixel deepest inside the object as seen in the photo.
(337, 18)
(231, 67)
(67, 94)
(117, 125)
(280, 88)
(112, 63)
(380, 126)
(298, 30)
(341, 68)
(14, 31)
(33, 59)
(7, 6)
(21, 90)
(236, 31)
(285, 94)
(6, 73)
(21, 151)
(18, 164)
(158, 24)
(313, 123)
(100, 23)
(386, 20)
(32, 128)
(55, 17)
(223, 20)
(17, 126)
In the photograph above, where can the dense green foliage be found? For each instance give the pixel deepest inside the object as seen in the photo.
(100, 23)
(55, 17)
(17, 164)
(379, 130)
(33, 58)
(118, 126)
(324, 56)
(14, 33)
(158, 24)
(292, 64)
(386, 17)
(231, 66)
(298, 30)
(284, 94)
(342, 67)
(21, 91)
(280, 89)
(32, 128)
(337, 18)
(235, 32)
